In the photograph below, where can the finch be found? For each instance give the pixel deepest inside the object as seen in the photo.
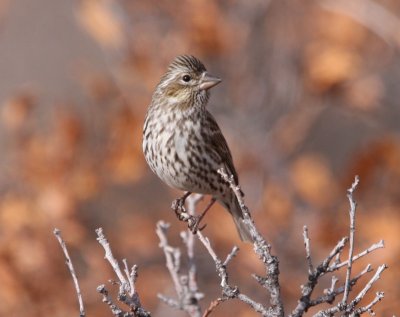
(182, 142)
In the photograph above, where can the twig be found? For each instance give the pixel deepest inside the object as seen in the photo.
(70, 266)
(127, 293)
(351, 309)
(352, 213)
(132, 276)
(229, 291)
(308, 288)
(231, 255)
(333, 284)
(308, 251)
(373, 247)
(109, 256)
(368, 308)
(331, 293)
(262, 249)
(185, 285)
(367, 287)
(213, 305)
(172, 256)
(325, 267)
(189, 241)
(115, 310)
(169, 301)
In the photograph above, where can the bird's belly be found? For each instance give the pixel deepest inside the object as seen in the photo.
(178, 164)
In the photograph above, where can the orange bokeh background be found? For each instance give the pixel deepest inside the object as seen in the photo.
(309, 99)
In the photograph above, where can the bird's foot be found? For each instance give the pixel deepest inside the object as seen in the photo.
(194, 224)
(178, 205)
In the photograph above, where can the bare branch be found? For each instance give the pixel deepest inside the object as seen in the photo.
(185, 285)
(169, 301)
(308, 288)
(126, 280)
(172, 256)
(231, 255)
(229, 291)
(352, 212)
(109, 256)
(70, 266)
(189, 241)
(373, 247)
(331, 293)
(262, 249)
(115, 310)
(368, 308)
(212, 306)
(333, 284)
(351, 309)
(325, 267)
(369, 285)
(132, 276)
(308, 251)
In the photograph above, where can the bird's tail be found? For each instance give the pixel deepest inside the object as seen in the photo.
(237, 215)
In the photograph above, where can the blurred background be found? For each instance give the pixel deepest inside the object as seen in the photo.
(309, 99)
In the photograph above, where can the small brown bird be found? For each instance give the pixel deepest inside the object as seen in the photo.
(183, 143)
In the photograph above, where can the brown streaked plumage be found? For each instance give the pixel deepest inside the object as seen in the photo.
(183, 143)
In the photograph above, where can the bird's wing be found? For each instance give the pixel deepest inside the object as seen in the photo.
(219, 145)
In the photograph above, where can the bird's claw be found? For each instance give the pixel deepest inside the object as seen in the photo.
(178, 205)
(194, 224)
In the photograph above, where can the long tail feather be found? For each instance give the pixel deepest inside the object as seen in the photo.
(232, 205)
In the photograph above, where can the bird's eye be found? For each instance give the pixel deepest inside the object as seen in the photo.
(186, 78)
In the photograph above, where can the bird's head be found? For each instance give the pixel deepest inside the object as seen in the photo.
(186, 82)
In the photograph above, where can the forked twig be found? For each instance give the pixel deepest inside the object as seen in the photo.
(229, 291)
(334, 267)
(305, 301)
(262, 248)
(185, 284)
(127, 293)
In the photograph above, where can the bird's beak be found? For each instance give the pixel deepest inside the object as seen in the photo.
(208, 81)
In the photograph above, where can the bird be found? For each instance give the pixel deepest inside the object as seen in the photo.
(182, 142)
